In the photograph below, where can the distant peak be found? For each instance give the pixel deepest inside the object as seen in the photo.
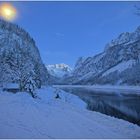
(61, 66)
(59, 70)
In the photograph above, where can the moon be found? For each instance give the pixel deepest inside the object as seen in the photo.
(8, 11)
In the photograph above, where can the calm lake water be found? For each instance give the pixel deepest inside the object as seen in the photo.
(117, 104)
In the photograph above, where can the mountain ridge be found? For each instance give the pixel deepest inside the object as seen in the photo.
(124, 51)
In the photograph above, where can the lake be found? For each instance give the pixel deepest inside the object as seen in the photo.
(121, 104)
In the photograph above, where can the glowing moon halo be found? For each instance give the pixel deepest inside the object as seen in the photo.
(7, 11)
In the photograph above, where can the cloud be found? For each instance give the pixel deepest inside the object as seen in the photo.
(59, 34)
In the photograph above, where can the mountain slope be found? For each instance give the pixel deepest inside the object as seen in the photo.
(20, 61)
(118, 64)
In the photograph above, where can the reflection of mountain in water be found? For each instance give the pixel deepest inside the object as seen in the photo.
(122, 106)
(127, 108)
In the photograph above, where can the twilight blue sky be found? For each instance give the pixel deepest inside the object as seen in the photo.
(64, 31)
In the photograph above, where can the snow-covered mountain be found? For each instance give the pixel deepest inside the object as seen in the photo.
(119, 63)
(20, 61)
(59, 70)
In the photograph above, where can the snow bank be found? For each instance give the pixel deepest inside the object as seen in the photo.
(21, 116)
(50, 93)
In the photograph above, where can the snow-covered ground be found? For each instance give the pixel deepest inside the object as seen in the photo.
(21, 116)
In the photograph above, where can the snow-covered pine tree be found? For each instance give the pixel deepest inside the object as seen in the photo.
(20, 61)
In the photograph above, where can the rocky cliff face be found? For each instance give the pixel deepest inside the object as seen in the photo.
(118, 64)
(20, 61)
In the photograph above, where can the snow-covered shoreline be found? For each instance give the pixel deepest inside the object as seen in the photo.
(47, 117)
